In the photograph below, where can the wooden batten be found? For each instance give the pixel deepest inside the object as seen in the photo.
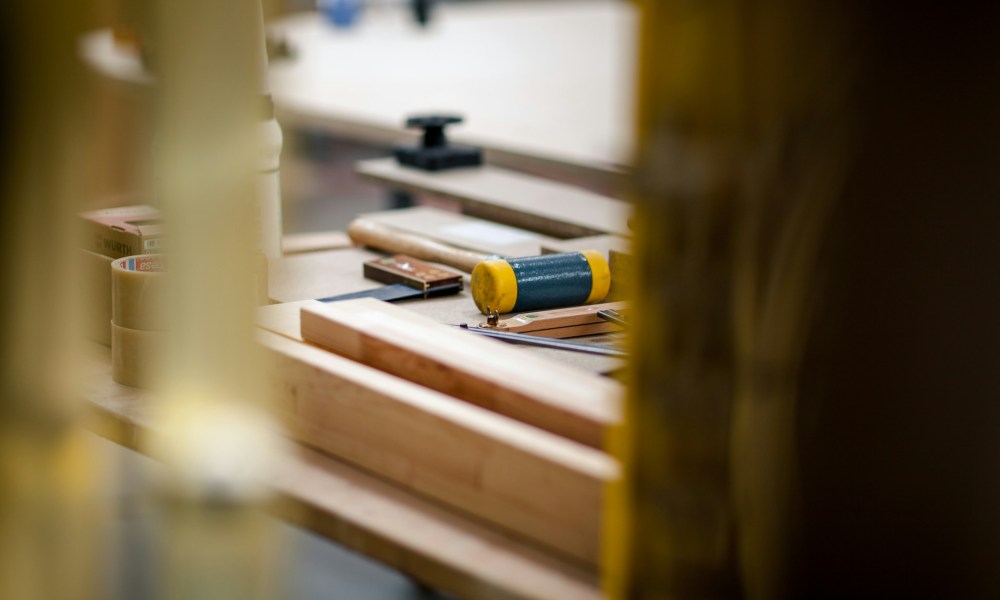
(557, 398)
(504, 196)
(435, 545)
(529, 482)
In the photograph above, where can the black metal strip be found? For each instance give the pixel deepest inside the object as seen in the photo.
(534, 340)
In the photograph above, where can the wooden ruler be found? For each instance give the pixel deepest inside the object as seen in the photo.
(559, 323)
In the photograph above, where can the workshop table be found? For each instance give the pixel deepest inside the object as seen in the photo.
(544, 85)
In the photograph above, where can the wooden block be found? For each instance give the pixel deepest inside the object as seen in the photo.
(503, 196)
(604, 244)
(430, 543)
(314, 241)
(283, 319)
(529, 482)
(421, 538)
(319, 274)
(462, 231)
(505, 379)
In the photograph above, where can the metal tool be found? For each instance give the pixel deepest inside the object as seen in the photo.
(613, 316)
(544, 342)
(398, 291)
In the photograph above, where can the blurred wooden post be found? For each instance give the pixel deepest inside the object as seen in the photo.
(216, 442)
(813, 406)
(50, 546)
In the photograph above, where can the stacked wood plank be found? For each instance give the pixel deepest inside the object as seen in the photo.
(543, 487)
(492, 433)
(497, 376)
(504, 196)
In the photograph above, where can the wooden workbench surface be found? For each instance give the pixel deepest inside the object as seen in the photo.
(543, 84)
(321, 274)
(369, 515)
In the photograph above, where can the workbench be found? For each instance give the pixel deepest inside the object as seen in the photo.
(544, 86)
(434, 545)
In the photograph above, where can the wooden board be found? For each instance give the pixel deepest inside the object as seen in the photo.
(433, 545)
(314, 241)
(503, 378)
(540, 486)
(319, 274)
(604, 243)
(503, 196)
(283, 319)
(462, 231)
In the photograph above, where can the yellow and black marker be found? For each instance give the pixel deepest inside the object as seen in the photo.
(539, 282)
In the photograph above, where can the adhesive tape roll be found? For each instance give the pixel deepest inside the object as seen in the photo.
(539, 282)
(138, 292)
(136, 355)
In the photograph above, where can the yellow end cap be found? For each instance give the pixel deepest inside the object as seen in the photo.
(494, 285)
(600, 273)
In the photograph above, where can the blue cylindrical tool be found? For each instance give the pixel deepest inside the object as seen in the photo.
(539, 282)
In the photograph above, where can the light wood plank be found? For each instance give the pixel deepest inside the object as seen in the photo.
(568, 402)
(530, 482)
(319, 274)
(504, 196)
(394, 241)
(314, 241)
(284, 319)
(604, 243)
(462, 231)
(428, 542)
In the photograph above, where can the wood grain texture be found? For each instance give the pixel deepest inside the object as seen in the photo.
(604, 243)
(284, 319)
(388, 239)
(542, 487)
(462, 231)
(319, 274)
(428, 542)
(568, 402)
(503, 196)
(314, 241)
(538, 321)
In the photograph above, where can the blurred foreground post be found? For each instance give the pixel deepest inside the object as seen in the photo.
(216, 441)
(814, 404)
(50, 479)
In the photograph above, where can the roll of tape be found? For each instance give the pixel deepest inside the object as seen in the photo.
(539, 282)
(138, 292)
(136, 355)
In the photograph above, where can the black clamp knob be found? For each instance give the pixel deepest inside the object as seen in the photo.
(435, 153)
(422, 11)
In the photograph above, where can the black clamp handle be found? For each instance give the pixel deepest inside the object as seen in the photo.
(435, 153)
(433, 126)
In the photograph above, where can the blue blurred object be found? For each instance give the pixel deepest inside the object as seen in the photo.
(341, 13)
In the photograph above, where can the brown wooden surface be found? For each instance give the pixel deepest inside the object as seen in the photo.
(369, 515)
(503, 196)
(537, 321)
(314, 241)
(485, 372)
(463, 231)
(390, 240)
(319, 274)
(530, 482)
(283, 319)
(604, 243)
